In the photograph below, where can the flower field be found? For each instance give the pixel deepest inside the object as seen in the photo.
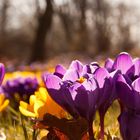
(81, 102)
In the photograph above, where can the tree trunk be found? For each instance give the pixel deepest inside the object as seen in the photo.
(102, 33)
(44, 24)
(4, 18)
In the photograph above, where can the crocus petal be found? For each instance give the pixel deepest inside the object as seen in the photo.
(2, 97)
(61, 94)
(106, 94)
(4, 105)
(125, 92)
(108, 64)
(25, 112)
(32, 100)
(2, 72)
(87, 93)
(129, 126)
(100, 75)
(60, 71)
(123, 62)
(71, 75)
(42, 94)
(81, 102)
(24, 104)
(136, 94)
(123, 121)
(38, 104)
(52, 81)
(93, 96)
(73, 89)
(137, 66)
(136, 85)
(76, 65)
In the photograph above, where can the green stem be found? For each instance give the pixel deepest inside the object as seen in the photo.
(13, 111)
(24, 128)
(34, 135)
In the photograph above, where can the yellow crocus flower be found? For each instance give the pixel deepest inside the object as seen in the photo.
(40, 104)
(17, 74)
(3, 102)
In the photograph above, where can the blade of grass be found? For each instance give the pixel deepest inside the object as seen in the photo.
(24, 128)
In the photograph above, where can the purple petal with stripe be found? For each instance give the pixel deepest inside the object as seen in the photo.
(76, 65)
(60, 71)
(100, 75)
(71, 75)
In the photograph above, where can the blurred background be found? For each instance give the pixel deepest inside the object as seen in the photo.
(43, 30)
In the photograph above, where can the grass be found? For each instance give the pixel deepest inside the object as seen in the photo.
(18, 127)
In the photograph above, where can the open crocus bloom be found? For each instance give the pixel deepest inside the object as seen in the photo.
(72, 89)
(76, 90)
(40, 104)
(3, 102)
(124, 62)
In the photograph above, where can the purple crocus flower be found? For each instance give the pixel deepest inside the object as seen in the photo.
(129, 119)
(107, 93)
(2, 72)
(75, 90)
(20, 88)
(124, 63)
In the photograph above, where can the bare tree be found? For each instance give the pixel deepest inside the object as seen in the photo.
(125, 42)
(4, 16)
(82, 31)
(101, 12)
(44, 25)
(67, 21)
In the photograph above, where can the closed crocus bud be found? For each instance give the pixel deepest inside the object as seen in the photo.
(124, 63)
(129, 119)
(129, 93)
(107, 93)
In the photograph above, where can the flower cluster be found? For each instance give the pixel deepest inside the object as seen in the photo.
(39, 104)
(80, 90)
(83, 89)
(19, 88)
